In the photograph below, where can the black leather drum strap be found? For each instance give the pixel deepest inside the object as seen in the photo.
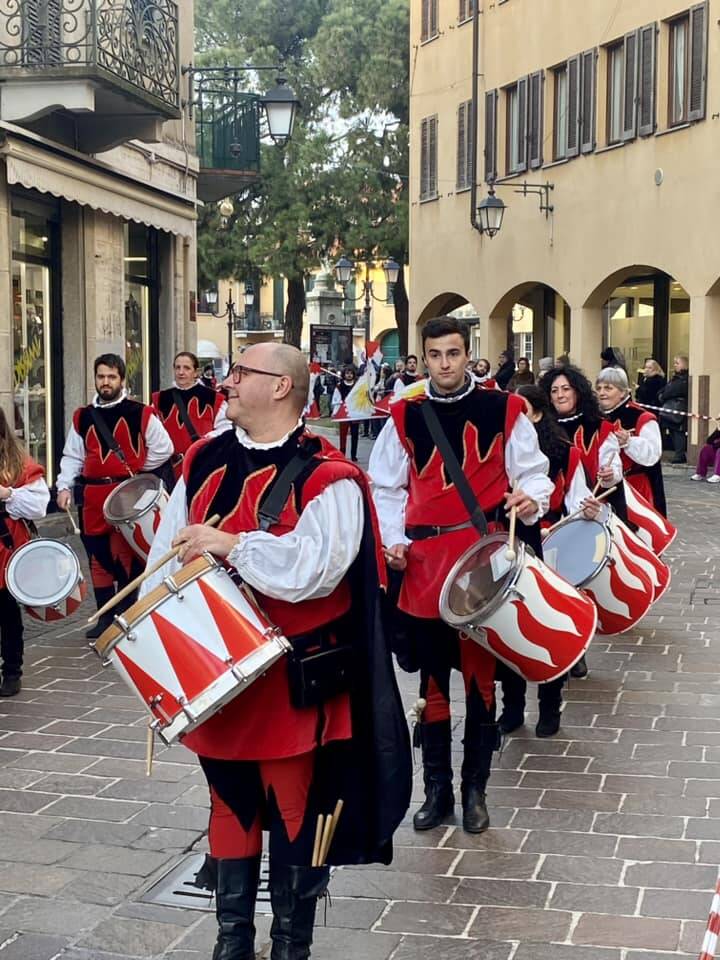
(108, 437)
(478, 518)
(184, 415)
(271, 508)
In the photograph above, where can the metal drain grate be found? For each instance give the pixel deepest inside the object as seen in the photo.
(177, 887)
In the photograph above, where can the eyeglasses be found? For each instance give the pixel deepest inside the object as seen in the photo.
(238, 370)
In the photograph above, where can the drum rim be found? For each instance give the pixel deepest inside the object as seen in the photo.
(135, 514)
(188, 574)
(603, 563)
(511, 578)
(57, 598)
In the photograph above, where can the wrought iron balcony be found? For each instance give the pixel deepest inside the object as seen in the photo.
(108, 57)
(227, 124)
(257, 323)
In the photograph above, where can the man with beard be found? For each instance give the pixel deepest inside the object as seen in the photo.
(408, 376)
(109, 440)
(188, 409)
(273, 759)
(426, 527)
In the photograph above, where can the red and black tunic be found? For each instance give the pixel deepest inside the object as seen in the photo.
(648, 481)
(562, 470)
(589, 437)
(127, 421)
(478, 427)
(203, 406)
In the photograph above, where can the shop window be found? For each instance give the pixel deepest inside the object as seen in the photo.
(428, 158)
(34, 316)
(464, 176)
(688, 66)
(141, 307)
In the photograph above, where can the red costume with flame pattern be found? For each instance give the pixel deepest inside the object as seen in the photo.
(202, 404)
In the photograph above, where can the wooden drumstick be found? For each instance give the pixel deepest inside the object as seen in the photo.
(325, 842)
(134, 584)
(334, 822)
(149, 749)
(318, 840)
(75, 528)
(576, 513)
(510, 552)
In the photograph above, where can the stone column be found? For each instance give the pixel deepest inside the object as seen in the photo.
(493, 339)
(586, 338)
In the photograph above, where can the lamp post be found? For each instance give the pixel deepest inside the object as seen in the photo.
(344, 270)
(211, 298)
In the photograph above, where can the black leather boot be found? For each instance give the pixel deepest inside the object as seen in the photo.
(579, 670)
(237, 884)
(102, 595)
(549, 702)
(480, 742)
(294, 893)
(513, 691)
(437, 774)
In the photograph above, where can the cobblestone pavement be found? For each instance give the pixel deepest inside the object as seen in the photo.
(604, 844)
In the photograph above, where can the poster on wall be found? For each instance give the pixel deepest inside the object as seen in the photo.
(331, 345)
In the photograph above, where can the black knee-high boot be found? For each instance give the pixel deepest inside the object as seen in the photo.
(437, 774)
(513, 691)
(237, 884)
(294, 893)
(549, 702)
(482, 737)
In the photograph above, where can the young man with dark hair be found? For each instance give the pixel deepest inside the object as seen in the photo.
(188, 409)
(425, 528)
(94, 468)
(408, 376)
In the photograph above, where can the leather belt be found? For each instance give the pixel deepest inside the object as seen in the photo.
(99, 481)
(425, 532)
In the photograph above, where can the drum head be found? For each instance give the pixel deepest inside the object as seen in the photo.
(42, 573)
(479, 577)
(132, 498)
(577, 550)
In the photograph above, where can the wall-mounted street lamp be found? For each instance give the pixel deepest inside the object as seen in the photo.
(281, 106)
(211, 298)
(491, 210)
(344, 270)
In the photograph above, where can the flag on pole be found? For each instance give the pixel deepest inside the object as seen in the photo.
(359, 403)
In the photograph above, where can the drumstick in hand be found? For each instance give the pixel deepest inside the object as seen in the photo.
(576, 513)
(134, 584)
(510, 552)
(75, 528)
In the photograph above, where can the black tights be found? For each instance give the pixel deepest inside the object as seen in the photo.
(11, 634)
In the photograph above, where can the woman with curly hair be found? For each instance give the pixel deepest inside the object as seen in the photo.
(24, 496)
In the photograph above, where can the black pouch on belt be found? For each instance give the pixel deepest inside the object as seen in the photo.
(319, 668)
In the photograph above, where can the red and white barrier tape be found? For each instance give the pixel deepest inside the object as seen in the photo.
(678, 413)
(709, 944)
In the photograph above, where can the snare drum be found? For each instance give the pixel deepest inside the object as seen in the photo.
(587, 554)
(655, 530)
(520, 610)
(190, 646)
(135, 508)
(45, 577)
(643, 555)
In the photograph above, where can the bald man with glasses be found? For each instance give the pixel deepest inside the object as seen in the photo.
(273, 759)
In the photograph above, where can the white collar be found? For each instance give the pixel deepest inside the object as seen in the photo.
(575, 416)
(113, 403)
(186, 388)
(246, 441)
(460, 395)
(617, 406)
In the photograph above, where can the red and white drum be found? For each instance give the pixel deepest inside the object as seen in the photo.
(587, 554)
(135, 508)
(45, 577)
(520, 610)
(190, 646)
(654, 529)
(659, 572)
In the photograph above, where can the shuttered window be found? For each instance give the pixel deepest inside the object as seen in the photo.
(464, 146)
(465, 10)
(630, 77)
(428, 158)
(491, 170)
(560, 145)
(428, 20)
(516, 100)
(647, 37)
(42, 33)
(588, 73)
(573, 107)
(688, 66)
(698, 61)
(616, 92)
(536, 83)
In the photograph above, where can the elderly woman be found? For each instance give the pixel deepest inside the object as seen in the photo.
(638, 435)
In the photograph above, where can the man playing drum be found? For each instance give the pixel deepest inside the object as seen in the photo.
(298, 527)
(425, 529)
(188, 409)
(109, 440)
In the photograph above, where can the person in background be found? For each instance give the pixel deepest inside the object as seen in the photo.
(709, 457)
(408, 376)
(506, 368)
(675, 396)
(379, 392)
(523, 376)
(651, 381)
(613, 357)
(544, 364)
(343, 388)
(208, 376)
(24, 496)
(481, 370)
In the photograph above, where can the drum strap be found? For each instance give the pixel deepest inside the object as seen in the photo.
(271, 508)
(184, 415)
(462, 485)
(109, 438)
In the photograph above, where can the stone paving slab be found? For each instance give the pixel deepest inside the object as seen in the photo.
(604, 844)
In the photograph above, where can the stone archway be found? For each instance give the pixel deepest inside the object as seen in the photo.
(533, 318)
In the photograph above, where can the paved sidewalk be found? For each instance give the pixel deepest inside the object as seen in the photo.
(604, 845)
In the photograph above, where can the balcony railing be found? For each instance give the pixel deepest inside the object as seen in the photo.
(257, 323)
(134, 43)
